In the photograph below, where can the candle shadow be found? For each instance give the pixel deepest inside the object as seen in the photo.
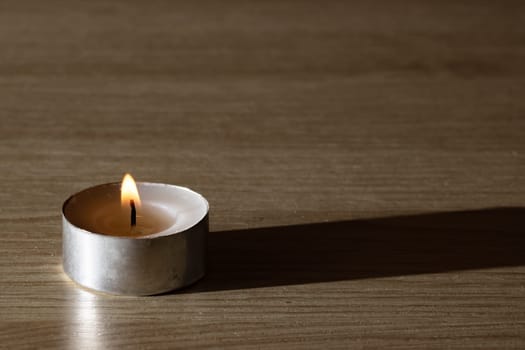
(347, 250)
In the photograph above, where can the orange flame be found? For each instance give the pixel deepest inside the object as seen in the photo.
(129, 191)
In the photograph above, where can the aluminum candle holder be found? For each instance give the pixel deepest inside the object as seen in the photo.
(166, 250)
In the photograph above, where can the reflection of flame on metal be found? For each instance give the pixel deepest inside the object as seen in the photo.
(129, 192)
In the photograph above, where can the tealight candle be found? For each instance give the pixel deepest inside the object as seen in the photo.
(138, 239)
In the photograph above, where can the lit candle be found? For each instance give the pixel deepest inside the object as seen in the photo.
(129, 238)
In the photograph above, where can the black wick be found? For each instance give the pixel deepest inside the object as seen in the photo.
(133, 212)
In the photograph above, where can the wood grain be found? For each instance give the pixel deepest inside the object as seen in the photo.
(364, 163)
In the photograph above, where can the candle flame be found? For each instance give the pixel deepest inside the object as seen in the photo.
(129, 191)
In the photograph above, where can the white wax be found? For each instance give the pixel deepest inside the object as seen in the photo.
(165, 209)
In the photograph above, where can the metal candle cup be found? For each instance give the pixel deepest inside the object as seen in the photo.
(164, 251)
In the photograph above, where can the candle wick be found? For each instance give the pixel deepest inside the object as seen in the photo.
(133, 212)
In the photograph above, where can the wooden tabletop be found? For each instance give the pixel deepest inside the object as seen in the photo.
(364, 162)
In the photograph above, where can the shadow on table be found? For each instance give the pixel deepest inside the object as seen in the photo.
(357, 249)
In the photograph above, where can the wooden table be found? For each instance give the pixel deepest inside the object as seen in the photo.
(364, 162)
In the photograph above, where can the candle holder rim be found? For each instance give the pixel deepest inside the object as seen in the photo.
(150, 237)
